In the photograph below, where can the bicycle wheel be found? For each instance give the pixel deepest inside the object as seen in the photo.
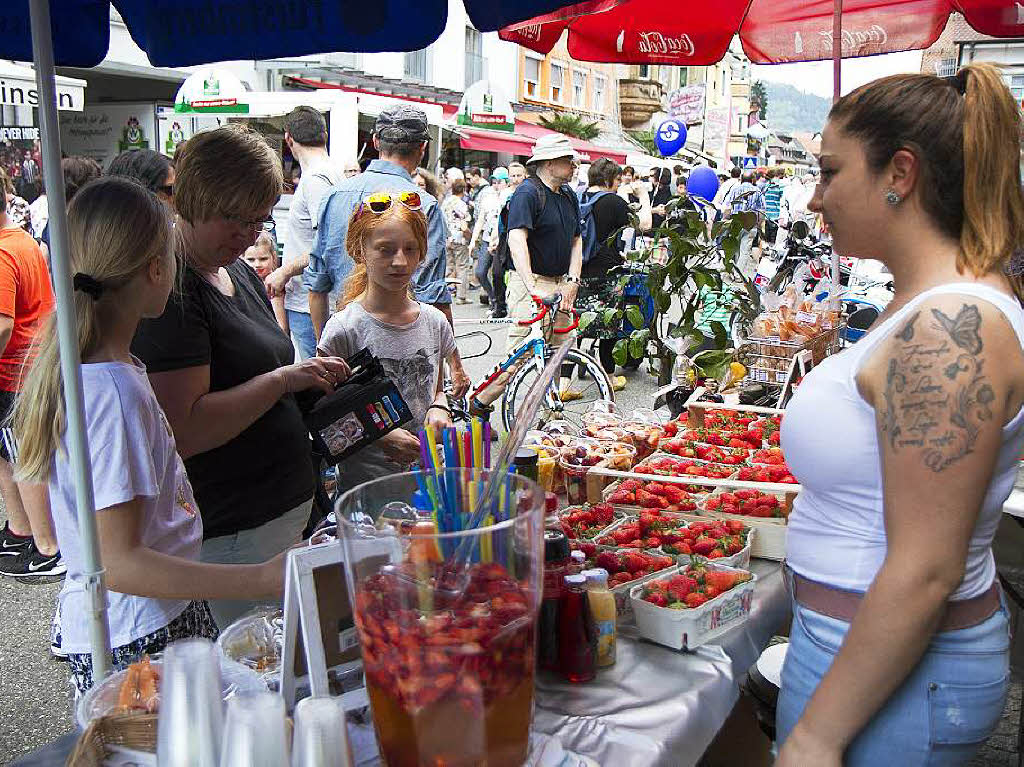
(582, 382)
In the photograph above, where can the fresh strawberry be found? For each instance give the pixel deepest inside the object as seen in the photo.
(657, 599)
(704, 545)
(695, 599)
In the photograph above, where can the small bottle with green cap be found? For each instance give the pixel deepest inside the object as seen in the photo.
(525, 463)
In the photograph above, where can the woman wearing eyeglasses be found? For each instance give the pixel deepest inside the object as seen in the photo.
(222, 368)
(387, 240)
(151, 169)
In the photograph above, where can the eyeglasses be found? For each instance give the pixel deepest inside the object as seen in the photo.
(266, 224)
(380, 202)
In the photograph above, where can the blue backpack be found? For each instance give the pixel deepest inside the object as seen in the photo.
(588, 227)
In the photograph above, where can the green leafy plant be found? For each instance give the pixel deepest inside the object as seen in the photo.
(645, 138)
(759, 96)
(689, 262)
(571, 125)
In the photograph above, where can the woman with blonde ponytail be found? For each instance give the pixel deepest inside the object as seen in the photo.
(899, 647)
(150, 531)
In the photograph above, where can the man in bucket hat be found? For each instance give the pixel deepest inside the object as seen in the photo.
(401, 139)
(545, 246)
(544, 236)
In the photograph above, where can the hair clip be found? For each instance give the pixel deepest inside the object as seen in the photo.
(958, 81)
(88, 285)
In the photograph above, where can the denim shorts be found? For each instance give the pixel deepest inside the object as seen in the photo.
(940, 715)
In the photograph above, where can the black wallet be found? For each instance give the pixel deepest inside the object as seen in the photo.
(359, 412)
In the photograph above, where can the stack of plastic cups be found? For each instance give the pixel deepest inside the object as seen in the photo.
(321, 738)
(191, 719)
(254, 733)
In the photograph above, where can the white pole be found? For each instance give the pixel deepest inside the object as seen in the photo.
(67, 333)
(837, 91)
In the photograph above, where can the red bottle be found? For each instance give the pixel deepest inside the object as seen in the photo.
(577, 634)
(556, 567)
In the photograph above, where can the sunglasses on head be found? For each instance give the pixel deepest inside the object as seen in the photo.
(380, 202)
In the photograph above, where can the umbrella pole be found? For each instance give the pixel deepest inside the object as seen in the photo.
(67, 333)
(837, 90)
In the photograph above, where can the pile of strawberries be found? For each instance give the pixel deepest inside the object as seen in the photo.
(670, 466)
(586, 522)
(692, 587)
(750, 439)
(728, 419)
(653, 495)
(772, 425)
(626, 566)
(714, 539)
(750, 503)
(649, 532)
(769, 455)
(767, 474)
(730, 456)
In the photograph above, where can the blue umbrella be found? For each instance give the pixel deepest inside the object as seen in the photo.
(184, 33)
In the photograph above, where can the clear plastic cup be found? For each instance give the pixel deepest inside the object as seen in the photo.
(191, 721)
(254, 733)
(321, 735)
(448, 649)
(582, 486)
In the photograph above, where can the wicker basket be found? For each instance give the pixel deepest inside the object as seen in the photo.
(135, 731)
(770, 358)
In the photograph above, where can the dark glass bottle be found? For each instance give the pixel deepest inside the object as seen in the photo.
(577, 634)
(556, 567)
(526, 463)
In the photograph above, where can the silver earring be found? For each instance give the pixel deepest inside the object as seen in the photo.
(893, 198)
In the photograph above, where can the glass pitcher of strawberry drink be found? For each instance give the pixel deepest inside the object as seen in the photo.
(448, 651)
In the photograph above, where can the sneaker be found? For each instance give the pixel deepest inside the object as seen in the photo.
(484, 300)
(11, 544)
(32, 563)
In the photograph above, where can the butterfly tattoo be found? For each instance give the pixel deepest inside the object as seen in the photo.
(963, 329)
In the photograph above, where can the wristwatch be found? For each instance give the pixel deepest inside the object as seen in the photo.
(571, 278)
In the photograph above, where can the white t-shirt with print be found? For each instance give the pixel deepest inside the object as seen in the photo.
(411, 355)
(133, 455)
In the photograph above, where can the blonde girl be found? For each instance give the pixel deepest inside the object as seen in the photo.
(387, 239)
(149, 527)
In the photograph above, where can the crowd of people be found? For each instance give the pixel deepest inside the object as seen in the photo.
(193, 390)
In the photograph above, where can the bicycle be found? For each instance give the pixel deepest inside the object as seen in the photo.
(581, 374)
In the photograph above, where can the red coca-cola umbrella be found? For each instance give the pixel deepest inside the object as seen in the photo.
(697, 33)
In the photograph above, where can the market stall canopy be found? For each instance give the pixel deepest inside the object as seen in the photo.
(177, 33)
(692, 33)
(18, 89)
(211, 91)
(521, 141)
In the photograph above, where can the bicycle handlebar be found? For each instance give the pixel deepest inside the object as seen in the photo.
(546, 304)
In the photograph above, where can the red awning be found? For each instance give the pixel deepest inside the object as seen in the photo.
(521, 142)
(772, 31)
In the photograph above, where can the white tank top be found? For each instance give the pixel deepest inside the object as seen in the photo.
(837, 527)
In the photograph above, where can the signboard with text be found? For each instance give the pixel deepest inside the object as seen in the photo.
(717, 124)
(687, 104)
(484, 106)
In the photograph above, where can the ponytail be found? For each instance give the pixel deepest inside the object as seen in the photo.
(993, 228)
(116, 228)
(965, 132)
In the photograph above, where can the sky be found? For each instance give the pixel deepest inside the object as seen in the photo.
(816, 77)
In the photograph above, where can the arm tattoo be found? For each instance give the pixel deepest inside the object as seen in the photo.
(936, 392)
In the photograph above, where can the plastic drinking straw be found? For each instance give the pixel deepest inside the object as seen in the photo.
(487, 444)
(435, 464)
(451, 461)
(478, 454)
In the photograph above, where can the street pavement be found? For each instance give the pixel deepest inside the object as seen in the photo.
(35, 705)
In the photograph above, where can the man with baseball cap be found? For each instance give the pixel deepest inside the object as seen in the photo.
(400, 137)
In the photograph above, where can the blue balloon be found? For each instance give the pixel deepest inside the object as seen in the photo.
(670, 137)
(703, 183)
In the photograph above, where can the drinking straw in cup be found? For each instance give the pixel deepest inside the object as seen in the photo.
(191, 718)
(321, 738)
(254, 732)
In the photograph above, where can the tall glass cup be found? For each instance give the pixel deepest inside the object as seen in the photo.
(448, 649)
(191, 717)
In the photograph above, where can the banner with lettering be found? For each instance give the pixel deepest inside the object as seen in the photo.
(771, 31)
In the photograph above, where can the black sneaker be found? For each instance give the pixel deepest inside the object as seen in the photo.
(32, 563)
(11, 544)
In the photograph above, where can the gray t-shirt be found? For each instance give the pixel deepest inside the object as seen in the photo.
(303, 216)
(412, 356)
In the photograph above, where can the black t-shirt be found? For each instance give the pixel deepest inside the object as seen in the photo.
(610, 213)
(551, 231)
(660, 197)
(267, 469)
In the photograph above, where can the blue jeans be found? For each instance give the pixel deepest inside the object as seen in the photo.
(483, 270)
(940, 715)
(301, 326)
